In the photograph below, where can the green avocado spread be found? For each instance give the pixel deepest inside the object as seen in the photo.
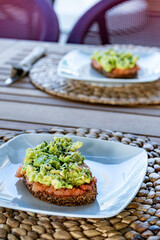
(57, 163)
(111, 59)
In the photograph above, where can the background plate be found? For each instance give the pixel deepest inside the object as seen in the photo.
(119, 170)
(77, 65)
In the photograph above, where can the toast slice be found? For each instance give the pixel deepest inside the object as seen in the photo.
(63, 197)
(55, 172)
(76, 196)
(113, 64)
(116, 73)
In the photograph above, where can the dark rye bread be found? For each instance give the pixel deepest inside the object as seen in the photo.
(86, 198)
(130, 73)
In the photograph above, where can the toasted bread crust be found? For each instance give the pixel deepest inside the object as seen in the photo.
(88, 197)
(116, 73)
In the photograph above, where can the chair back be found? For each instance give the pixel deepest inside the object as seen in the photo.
(119, 22)
(28, 19)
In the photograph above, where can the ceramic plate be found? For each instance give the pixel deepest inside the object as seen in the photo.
(77, 65)
(119, 169)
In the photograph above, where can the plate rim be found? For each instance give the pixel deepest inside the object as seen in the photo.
(75, 214)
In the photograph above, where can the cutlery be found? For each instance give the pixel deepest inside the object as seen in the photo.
(23, 68)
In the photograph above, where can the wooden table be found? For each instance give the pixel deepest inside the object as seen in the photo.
(23, 107)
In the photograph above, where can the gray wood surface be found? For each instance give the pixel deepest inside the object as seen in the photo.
(23, 107)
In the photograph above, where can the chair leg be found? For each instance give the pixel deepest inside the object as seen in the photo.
(103, 29)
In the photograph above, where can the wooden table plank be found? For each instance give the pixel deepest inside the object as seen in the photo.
(73, 117)
(31, 96)
(25, 92)
(17, 85)
(6, 43)
(17, 125)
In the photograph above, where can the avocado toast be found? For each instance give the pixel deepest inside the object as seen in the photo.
(114, 64)
(55, 172)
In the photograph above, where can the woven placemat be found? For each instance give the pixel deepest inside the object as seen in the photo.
(140, 220)
(44, 76)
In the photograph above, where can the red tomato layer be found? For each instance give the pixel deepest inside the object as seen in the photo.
(75, 191)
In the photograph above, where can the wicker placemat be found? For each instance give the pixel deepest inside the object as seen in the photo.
(140, 220)
(44, 76)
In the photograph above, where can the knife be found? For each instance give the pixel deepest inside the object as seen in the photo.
(22, 69)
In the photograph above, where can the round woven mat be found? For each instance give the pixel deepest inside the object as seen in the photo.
(140, 220)
(44, 76)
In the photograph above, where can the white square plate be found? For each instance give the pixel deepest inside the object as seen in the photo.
(119, 169)
(77, 65)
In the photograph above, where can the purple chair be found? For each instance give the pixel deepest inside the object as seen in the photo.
(28, 19)
(119, 21)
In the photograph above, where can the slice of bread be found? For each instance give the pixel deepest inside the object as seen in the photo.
(87, 197)
(116, 73)
(55, 172)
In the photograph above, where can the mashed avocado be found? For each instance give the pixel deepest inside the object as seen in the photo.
(111, 59)
(56, 163)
